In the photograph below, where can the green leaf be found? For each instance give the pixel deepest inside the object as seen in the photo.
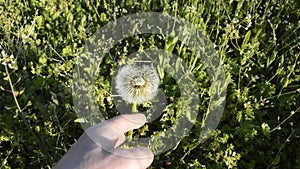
(246, 39)
(80, 120)
(265, 129)
(40, 20)
(43, 60)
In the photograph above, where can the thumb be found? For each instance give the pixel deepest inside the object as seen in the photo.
(110, 133)
(123, 123)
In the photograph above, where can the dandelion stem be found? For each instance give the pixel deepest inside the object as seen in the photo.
(134, 110)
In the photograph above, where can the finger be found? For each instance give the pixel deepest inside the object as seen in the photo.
(123, 123)
(135, 158)
(110, 134)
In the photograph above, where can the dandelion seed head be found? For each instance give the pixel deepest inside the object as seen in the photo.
(137, 83)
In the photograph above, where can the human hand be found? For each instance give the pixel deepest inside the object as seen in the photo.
(97, 147)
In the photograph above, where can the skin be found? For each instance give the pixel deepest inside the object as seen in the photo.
(97, 148)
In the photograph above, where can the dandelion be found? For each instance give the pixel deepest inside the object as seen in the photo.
(137, 83)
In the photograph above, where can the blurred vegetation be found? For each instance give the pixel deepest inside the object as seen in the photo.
(259, 42)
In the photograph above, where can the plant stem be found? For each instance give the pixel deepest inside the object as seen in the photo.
(133, 110)
(12, 90)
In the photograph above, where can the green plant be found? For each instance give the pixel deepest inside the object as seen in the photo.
(258, 41)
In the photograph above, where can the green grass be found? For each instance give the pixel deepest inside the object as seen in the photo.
(258, 41)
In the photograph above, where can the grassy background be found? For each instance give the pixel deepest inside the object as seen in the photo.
(259, 42)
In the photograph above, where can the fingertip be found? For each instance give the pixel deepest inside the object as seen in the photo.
(137, 118)
(110, 133)
(126, 122)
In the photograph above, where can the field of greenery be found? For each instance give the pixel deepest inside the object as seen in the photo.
(258, 42)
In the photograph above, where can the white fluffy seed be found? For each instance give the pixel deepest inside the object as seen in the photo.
(137, 83)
